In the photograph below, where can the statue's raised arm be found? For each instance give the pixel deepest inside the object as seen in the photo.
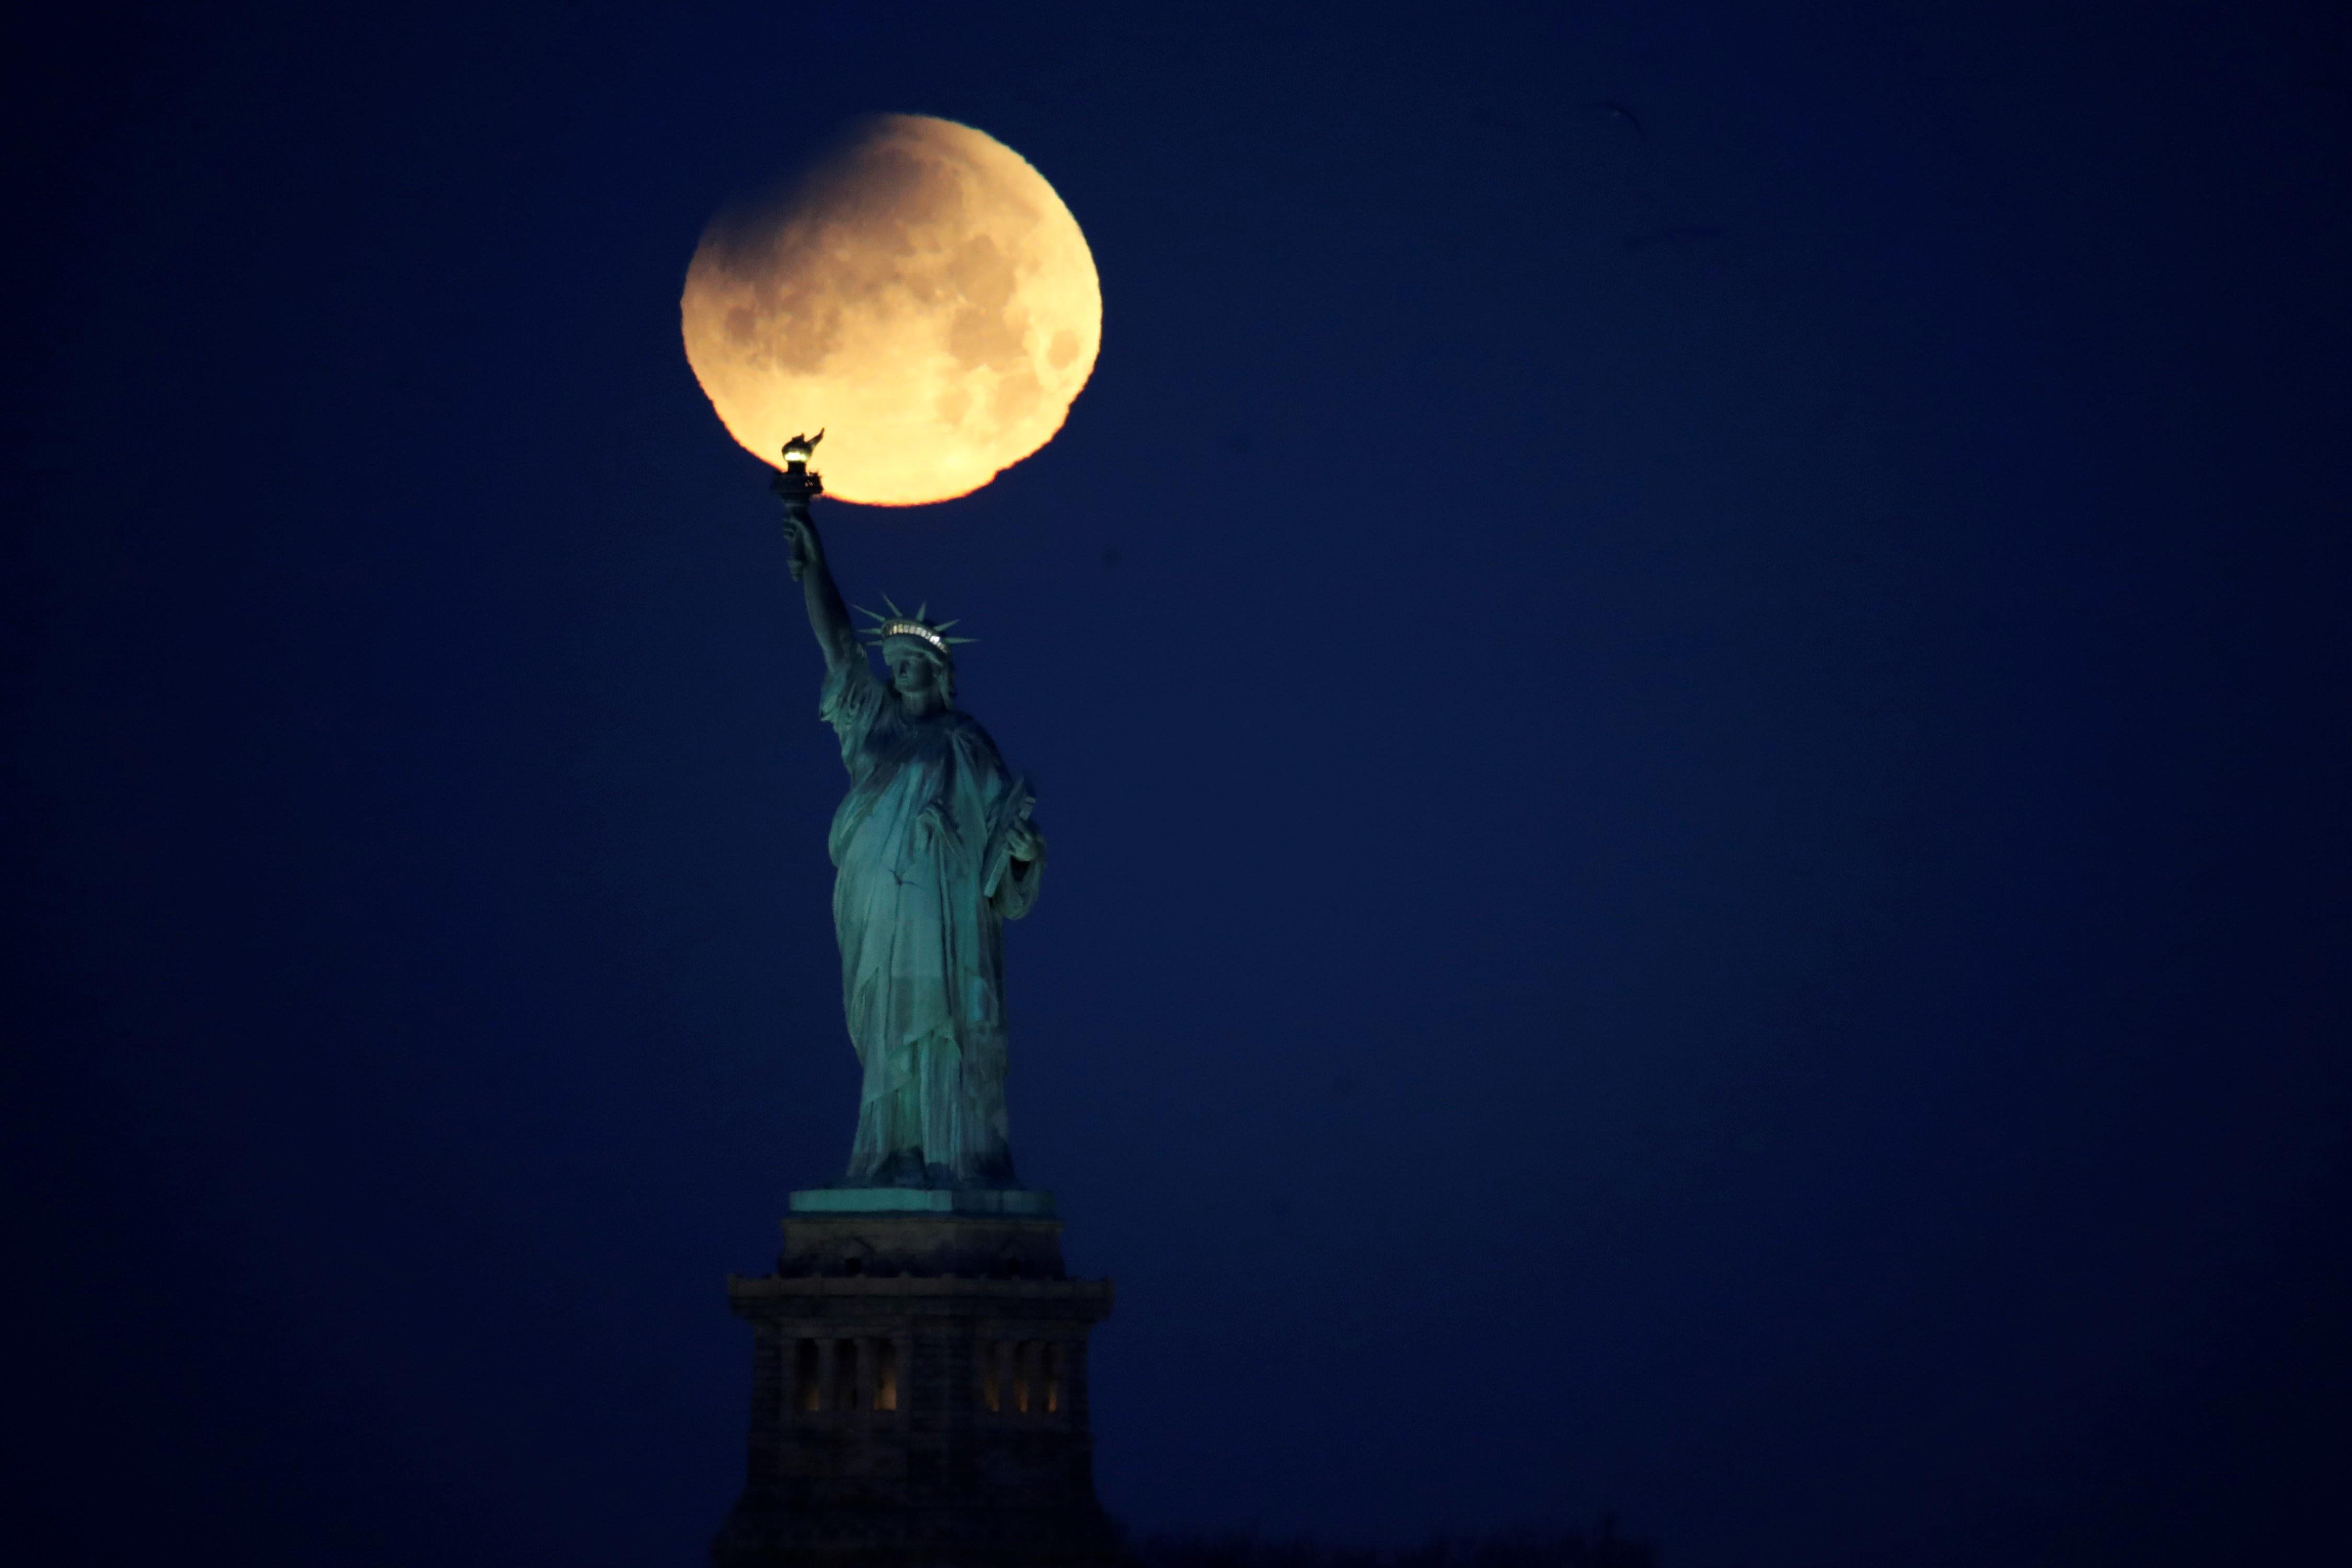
(829, 616)
(797, 486)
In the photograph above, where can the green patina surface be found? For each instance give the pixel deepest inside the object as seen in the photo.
(933, 851)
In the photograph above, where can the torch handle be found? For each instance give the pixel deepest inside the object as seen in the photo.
(797, 489)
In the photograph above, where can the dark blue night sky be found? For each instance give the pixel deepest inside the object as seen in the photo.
(1696, 765)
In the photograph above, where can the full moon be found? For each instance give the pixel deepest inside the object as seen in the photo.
(920, 293)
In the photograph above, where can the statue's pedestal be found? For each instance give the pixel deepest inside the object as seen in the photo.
(919, 1388)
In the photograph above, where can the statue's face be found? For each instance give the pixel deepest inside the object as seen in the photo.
(914, 676)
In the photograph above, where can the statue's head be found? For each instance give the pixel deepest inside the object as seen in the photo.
(923, 676)
(921, 655)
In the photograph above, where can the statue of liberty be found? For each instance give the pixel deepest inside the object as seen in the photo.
(933, 849)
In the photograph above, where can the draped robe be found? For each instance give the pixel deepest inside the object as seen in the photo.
(919, 918)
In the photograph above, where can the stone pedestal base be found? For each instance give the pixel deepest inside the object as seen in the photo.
(919, 1393)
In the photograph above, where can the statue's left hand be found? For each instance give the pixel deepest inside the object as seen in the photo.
(1024, 842)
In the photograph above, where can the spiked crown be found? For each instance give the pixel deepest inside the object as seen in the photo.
(899, 624)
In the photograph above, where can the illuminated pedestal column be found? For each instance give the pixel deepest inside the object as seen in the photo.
(919, 1388)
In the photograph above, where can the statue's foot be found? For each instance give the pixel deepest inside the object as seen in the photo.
(904, 1168)
(907, 1168)
(992, 1175)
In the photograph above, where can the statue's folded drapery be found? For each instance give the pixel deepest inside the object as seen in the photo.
(922, 849)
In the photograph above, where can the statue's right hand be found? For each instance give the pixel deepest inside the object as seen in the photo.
(801, 539)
